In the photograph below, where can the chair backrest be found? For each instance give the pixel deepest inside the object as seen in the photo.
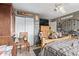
(24, 35)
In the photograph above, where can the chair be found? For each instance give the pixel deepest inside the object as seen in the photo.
(23, 41)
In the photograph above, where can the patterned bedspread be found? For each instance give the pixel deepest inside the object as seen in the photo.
(5, 50)
(63, 48)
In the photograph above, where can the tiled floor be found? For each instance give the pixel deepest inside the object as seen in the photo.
(26, 53)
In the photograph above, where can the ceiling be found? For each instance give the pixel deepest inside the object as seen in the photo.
(46, 10)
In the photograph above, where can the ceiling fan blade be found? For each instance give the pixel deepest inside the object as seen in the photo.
(62, 9)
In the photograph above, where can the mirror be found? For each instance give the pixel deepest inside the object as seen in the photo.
(67, 23)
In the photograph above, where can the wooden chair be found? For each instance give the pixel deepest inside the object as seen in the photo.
(24, 41)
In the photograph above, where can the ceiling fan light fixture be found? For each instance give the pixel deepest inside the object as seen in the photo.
(60, 8)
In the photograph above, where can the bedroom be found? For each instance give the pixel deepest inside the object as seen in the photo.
(39, 29)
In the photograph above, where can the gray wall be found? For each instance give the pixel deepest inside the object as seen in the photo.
(53, 25)
(36, 30)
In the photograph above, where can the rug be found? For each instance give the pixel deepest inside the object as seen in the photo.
(37, 51)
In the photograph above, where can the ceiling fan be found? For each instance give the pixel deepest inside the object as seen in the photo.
(59, 7)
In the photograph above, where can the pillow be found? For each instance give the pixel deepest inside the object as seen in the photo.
(2, 47)
(6, 50)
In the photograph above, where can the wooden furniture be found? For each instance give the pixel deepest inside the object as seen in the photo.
(8, 41)
(45, 41)
(6, 20)
(7, 25)
(44, 30)
(23, 43)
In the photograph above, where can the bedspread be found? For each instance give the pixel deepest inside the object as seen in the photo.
(5, 50)
(61, 48)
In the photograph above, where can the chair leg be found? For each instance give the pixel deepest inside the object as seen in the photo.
(28, 49)
(20, 48)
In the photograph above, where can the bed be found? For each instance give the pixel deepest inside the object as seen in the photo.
(45, 41)
(7, 46)
(61, 48)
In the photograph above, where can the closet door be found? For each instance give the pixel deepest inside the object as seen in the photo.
(19, 25)
(30, 30)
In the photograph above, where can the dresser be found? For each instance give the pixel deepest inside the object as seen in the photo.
(45, 30)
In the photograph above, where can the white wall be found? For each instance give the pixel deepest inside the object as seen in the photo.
(53, 25)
